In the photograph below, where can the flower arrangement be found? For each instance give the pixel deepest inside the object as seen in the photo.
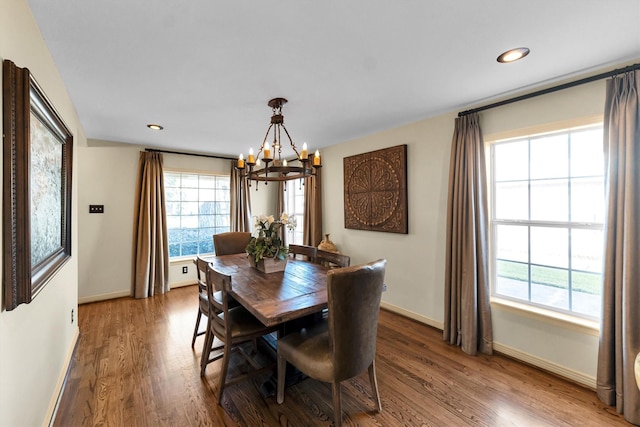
(266, 243)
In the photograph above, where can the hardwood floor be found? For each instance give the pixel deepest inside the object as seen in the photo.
(134, 366)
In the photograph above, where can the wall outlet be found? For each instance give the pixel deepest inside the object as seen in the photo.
(72, 310)
(185, 269)
(96, 208)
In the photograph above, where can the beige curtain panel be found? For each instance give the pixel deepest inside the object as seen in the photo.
(151, 246)
(620, 323)
(312, 231)
(467, 320)
(240, 202)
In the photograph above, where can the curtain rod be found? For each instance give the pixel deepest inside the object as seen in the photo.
(152, 150)
(552, 89)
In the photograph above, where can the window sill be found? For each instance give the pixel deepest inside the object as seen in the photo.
(585, 326)
(185, 259)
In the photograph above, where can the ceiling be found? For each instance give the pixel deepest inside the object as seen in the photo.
(205, 69)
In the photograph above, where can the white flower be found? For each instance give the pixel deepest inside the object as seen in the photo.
(270, 219)
(284, 218)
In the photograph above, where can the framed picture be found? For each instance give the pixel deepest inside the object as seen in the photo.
(37, 163)
(375, 190)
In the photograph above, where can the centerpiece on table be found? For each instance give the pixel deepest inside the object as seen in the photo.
(267, 252)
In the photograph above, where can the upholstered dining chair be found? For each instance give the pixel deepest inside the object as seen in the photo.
(232, 326)
(231, 242)
(332, 259)
(305, 252)
(345, 345)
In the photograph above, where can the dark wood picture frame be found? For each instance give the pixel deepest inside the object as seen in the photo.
(37, 171)
(375, 191)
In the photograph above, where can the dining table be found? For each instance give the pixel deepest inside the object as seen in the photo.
(278, 297)
(293, 298)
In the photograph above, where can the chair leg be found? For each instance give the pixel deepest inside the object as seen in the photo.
(223, 371)
(374, 385)
(195, 331)
(337, 404)
(282, 368)
(206, 351)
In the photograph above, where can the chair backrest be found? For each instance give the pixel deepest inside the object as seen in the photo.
(201, 272)
(354, 295)
(303, 252)
(232, 242)
(332, 259)
(220, 282)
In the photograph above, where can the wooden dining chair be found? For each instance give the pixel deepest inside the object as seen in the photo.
(345, 345)
(232, 326)
(203, 299)
(332, 259)
(231, 242)
(305, 252)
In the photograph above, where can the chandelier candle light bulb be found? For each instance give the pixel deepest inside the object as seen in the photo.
(267, 151)
(316, 158)
(304, 154)
(251, 159)
(241, 161)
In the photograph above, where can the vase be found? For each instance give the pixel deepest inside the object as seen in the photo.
(269, 265)
(327, 245)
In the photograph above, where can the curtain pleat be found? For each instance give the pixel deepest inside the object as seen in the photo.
(620, 321)
(282, 232)
(151, 248)
(467, 320)
(240, 201)
(312, 227)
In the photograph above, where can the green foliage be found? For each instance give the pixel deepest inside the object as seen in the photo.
(268, 243)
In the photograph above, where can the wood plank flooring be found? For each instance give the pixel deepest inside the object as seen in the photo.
(134, 366)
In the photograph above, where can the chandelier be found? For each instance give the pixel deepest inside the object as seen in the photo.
(276, 168)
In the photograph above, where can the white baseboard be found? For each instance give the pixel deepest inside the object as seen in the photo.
(546, 365)
(411, 315)
(103, 297)
(57, 392)
(183, 283)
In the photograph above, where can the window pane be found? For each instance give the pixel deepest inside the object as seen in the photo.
(550, 286)
(586, 206)
(549, 200)
(550, 157)
(586, 250)
(512, 200)
(207, 181)
(586, 293)
(587, 157)
(189, 221)
(173, 208)
(513, 279)
(511, 161)
(172, 194)
(171, 179)
(189, 208)
(513, 243)
(207, 195)
(189, 181)
(550, 246)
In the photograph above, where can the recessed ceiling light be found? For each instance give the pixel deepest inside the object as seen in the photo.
(154, 126)
(513, 54)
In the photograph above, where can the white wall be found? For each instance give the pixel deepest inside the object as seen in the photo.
(108, 174)
(415, 270)
(36, 339)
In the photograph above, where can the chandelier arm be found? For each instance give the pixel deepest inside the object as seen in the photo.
(293, 145)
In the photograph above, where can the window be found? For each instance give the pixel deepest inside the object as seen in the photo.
(197, 208)
(294, 207)
(547, 218)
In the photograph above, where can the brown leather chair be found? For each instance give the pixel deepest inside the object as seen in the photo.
(345, 345)
(304, 252)
(232, 242)
(332, 259)
(233, 326)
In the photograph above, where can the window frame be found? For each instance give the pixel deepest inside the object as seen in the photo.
(198, 173)
(538, 309)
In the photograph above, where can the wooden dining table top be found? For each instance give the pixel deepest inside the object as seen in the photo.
(278, 297)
